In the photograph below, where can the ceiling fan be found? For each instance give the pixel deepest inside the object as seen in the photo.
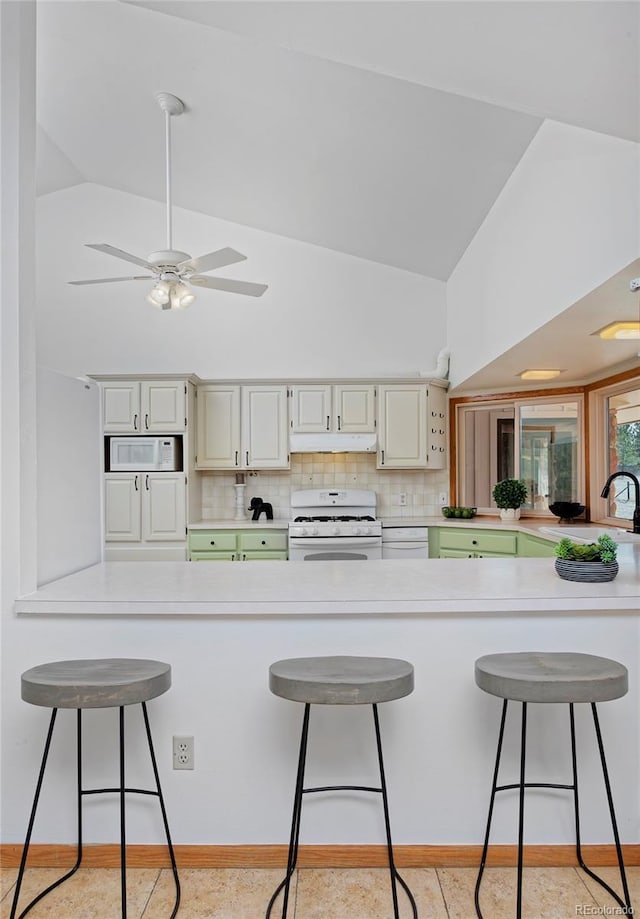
(170, 268)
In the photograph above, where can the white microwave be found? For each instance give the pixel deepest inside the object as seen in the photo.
(145, 454)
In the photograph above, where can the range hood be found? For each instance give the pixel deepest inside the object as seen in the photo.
(332, 443)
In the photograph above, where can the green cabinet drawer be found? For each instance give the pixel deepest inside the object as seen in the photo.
(262, 541)
(263, 556)
(212, 541)
(476, 540)
(212, 556)
(455, 553)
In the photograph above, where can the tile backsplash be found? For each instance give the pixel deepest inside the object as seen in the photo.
(319, 470)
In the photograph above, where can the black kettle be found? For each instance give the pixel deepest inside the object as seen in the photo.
(258, 506)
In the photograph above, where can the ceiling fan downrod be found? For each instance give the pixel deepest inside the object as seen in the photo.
(171, 106)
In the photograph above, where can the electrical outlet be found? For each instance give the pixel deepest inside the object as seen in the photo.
(442, 500)
(183, 753)
(402, 499)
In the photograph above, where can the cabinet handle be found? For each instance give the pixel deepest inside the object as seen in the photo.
(247, 463)
(339, 423)
(213, 542)
(474, 542)
(382, 455)
(433, 431)
(135, 422)
(146, 482)
(244, 556)
(328, 422)
(146, 422)
(433, 447)
(135, 482)
(236, 457)
(263, 542)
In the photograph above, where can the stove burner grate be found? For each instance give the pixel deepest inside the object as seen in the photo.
(343, 519)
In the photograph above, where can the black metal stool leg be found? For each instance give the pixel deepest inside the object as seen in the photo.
(385, 803)
(156, 776)
(27, 842)
(123, 839)
(626, 903)
(492, 798)
(523, 750)
(295, 820)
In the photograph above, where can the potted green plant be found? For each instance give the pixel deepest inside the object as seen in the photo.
(510, 495)
(587, 562)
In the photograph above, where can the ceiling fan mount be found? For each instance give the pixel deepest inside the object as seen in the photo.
(170, 267)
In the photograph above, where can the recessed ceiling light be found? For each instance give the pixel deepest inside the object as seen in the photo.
(621, 330)
(539, 374)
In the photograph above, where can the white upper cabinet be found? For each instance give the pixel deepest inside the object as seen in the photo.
(437, 407)
(218, 427)
(242, 427)
(144, 407)
(345, 407)
(265, 433)
(402, 426)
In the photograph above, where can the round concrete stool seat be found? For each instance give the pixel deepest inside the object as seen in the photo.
(556, 676)
(560, 677)
(341, 680)
(104, 683)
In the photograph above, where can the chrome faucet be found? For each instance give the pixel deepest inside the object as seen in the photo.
(605, 494)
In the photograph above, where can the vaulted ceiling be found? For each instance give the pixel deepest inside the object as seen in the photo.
(384, 130)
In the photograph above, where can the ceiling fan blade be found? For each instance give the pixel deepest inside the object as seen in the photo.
(120, 253)
(232, 287)
(211, 260)
(142, 277)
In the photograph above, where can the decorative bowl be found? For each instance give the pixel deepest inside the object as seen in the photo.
(465, 513)
(566, 510)
(586, 572)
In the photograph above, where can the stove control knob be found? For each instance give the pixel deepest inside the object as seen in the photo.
(357, 531)
(336, 531)
(315, 531)
(303, 531)
(366, 531)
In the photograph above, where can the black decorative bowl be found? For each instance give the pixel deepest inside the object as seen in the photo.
(566, 510)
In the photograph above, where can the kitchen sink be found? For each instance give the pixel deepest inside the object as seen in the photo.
(590, 534)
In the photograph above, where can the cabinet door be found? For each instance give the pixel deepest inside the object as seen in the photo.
(436, 427)
(218, 434)
(265, 428)
(163, 406)
(402, 423)
(163, 506)
(121, 407)
(122, 497)
(311, 410)
(354, 408)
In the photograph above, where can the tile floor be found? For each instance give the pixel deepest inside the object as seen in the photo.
(337, 893)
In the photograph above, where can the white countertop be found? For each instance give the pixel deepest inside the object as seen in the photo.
(246, 524)
(405, 587)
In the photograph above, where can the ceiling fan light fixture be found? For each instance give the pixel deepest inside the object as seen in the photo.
(181, 296)
(160, 294)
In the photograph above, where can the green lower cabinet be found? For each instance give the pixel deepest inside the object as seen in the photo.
(237, 545)
(535, 546)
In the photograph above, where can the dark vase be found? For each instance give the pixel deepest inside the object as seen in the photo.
(586, 572)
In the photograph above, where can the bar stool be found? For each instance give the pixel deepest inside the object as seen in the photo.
(339, 681)
(561, 677)
(109, 683)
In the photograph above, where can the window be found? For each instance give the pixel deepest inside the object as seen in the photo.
(539, 441)
(614, 423)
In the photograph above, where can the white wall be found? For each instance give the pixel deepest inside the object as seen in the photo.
(566, 221)
(325, 313)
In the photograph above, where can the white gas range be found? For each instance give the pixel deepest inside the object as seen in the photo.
(330, 524)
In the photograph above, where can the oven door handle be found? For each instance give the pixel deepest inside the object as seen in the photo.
(325, 542)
